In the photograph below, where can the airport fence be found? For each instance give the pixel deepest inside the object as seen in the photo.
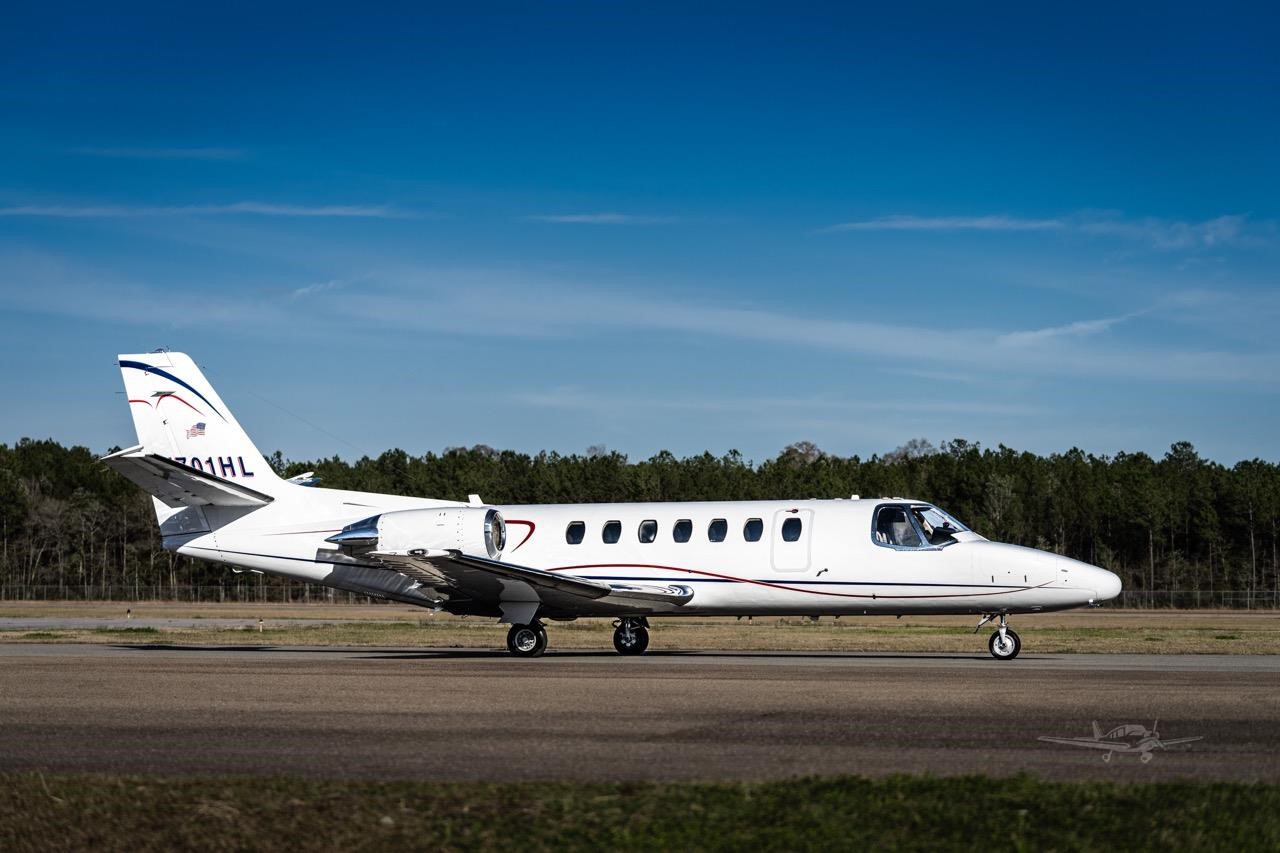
(1197, 599)
(272, 591)
(293, 592)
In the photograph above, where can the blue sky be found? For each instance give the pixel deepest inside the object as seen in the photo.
(629, 225)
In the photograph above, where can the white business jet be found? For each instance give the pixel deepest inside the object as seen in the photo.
(217, 499)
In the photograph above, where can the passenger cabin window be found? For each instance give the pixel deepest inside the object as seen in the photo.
(753, 530)
(683, 530)
(648, 530)
(612, 532)
(574, 532)
(791, 529)
(717, 529)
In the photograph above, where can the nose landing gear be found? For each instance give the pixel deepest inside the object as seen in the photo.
(1005, 642)
(631, 635)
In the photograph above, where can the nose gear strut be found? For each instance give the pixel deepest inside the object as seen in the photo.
(1005, 642)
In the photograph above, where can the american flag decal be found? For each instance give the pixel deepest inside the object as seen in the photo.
(197, 429)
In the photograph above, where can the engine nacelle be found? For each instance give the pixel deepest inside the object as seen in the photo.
(471, 530)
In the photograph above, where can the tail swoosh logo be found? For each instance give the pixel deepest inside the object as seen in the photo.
(148, 368)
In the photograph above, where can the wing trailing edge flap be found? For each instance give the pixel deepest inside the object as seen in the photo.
(445, 568)
(178, 485)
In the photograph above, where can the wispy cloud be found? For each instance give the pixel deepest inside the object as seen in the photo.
(602, 218)
(460, 302)
(577, 399)
(163, 153)
(1162, 234)
(318, 287)
(251, 208)
(948, 223)
(1078, 329)
(36, 281)
(448, 303)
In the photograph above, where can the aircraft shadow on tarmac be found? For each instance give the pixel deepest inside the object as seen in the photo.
(472, 654)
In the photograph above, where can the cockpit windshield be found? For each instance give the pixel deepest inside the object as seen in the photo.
(914, 526)
(936, 522)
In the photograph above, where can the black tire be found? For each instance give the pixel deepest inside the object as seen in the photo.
(1005, 653)
(639, 641)
(527, 641)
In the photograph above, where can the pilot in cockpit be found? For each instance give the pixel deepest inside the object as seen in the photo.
(939, 535)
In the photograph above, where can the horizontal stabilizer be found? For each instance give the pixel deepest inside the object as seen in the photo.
(178, 485)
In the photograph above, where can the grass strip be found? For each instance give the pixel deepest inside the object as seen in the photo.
(896, 813)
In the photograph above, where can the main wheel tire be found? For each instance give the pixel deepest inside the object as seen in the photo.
(639, 641)
(1009, 649)
(527, 641)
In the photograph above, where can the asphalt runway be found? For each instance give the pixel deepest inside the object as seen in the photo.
(477, 715)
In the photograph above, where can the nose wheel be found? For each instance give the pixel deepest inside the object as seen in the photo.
(527, 641)
(1005, 642)
(1005, 647)
(631, 635)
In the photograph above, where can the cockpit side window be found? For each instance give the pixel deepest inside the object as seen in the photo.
(895, 527)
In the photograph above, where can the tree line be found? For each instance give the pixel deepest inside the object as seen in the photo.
(73, 527)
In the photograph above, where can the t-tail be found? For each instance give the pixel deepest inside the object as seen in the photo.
(191, 454)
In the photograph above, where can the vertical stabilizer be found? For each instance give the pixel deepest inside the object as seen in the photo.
(178, 415)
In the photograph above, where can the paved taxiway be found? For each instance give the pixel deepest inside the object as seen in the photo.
(460, 715)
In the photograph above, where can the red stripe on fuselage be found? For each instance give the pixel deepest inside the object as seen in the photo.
(874, 596)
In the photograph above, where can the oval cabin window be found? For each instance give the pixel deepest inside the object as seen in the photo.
(753, 530)
(612, 532)
(717, 529)
(683, 530)
(574, 532)
(648, 530)
(791, 529)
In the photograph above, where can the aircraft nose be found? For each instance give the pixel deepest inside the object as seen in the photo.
(1106, 585)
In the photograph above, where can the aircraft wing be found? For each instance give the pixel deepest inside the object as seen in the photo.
(178, 485)
(1181, 740)
(1112, 745)
(459, 575)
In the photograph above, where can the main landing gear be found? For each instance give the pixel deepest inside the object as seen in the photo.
(631, 635)
(1005, 642)
(527, 641)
